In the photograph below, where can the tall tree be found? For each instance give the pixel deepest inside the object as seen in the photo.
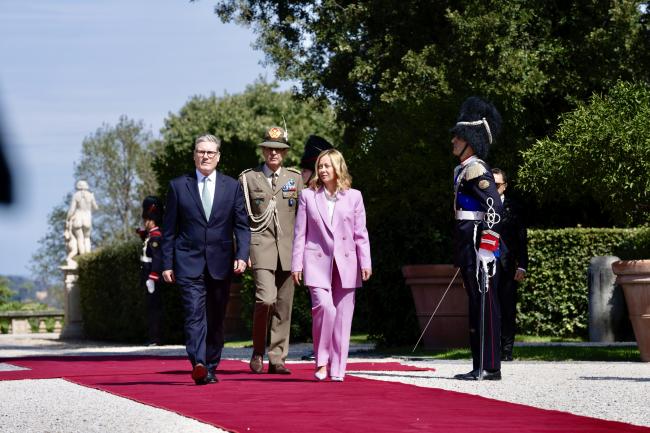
(51, 252)
(600, 153)
(396, 72)
(116, 163)
(240, 121)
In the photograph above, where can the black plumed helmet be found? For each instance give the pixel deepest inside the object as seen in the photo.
(478, 123)
(313, 147)
(152, 209)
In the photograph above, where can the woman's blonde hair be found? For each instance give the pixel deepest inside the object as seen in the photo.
(343, 178)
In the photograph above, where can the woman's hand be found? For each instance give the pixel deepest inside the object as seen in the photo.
(365, 274)
(297, 277)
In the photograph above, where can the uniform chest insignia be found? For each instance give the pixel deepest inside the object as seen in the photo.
(289, 186)
(291, 202)
(259, 201)
(484, 184)
(154, 244)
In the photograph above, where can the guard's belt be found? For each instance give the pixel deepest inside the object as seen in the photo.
(469, 215)
(145, 259)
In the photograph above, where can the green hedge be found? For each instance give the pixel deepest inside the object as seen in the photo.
(113, 302)
(553, 299)
(114, 305)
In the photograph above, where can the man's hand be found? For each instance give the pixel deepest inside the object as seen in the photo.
(488, 261)
(365, 274)
(168, 276)
(297, 277)
(520, 274)
(239, 266)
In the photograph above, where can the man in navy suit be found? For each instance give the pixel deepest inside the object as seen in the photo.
(204, 210)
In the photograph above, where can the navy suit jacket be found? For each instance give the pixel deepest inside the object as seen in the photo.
(191, 241)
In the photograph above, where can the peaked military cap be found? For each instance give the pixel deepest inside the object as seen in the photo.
(276, 138)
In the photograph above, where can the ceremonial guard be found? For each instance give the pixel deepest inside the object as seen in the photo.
(478, 207)
(271, 196)
(151, 265)
(514, 260)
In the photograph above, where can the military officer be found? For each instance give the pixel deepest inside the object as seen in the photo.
(271, 196)
(477, 208)
(151, 265)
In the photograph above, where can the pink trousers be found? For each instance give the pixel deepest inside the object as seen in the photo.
(331, 312)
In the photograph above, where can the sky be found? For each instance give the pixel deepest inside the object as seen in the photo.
(69, 66)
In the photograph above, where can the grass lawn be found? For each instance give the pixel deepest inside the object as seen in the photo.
(534, 348)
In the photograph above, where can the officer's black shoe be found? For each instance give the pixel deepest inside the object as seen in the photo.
(473, 375)
(309, 357)
(211, 377)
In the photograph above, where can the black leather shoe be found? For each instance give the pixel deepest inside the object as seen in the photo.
(278, 369)
(211, 377)
(257, 363)
(473, 375)
(199, 374)
(309, 357)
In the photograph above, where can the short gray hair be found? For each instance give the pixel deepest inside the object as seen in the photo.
(209, 138)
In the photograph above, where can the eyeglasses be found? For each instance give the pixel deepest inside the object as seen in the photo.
(208, 153)
(501, 184)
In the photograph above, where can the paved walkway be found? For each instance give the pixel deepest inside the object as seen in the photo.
(615, 390)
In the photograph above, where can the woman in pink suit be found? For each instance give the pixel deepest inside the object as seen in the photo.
(331, 251)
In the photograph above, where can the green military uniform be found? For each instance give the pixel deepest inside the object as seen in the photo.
(271, 201)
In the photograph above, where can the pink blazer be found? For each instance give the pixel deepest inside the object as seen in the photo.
(317, 243)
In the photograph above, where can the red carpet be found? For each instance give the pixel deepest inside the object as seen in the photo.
(244, 402)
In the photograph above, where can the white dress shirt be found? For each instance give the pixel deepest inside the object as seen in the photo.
(212, 178)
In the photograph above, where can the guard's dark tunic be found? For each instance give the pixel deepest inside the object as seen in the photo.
(476, 204)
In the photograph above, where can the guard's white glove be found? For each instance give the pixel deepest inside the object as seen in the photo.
(151, 285)
(488, 261)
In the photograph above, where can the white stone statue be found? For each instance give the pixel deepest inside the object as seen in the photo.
(79, 221)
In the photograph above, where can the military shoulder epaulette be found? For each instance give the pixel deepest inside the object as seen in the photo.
(295, 170)
(474, 170)
(155, 234)
(244, 172)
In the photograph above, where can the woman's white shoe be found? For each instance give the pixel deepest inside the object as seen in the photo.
(336, 379)
(320, 375)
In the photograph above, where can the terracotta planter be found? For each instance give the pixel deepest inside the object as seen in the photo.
(450, 326)
(634, 277)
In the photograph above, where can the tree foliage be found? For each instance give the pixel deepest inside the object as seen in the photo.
(116, 163)
(240, 121)
(51, 252)
(600, 152)
(5, 292)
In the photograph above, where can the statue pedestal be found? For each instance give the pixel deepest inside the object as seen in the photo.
(73, 328)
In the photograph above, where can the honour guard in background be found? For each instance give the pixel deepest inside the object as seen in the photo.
(151, 265)
(313, 147)
(478, 210)
(514, 260)
(271, 196)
